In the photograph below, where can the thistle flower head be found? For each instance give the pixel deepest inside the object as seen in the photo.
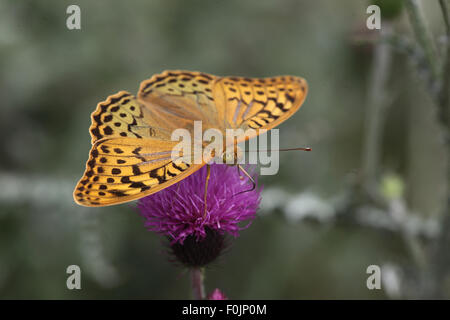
(178, 211)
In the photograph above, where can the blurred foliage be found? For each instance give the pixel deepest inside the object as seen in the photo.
(390, 9)
(52, 78)
(392, 186)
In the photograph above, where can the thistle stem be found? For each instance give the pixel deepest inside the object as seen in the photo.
(444, 98)
(376, 109)
(198, 288)
(423, 36)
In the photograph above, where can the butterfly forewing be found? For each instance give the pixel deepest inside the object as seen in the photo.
(259, 103)
(124, 169)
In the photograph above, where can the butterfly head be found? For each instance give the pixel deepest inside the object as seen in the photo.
(232, 155)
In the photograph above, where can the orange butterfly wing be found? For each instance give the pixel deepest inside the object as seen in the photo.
(178, 98)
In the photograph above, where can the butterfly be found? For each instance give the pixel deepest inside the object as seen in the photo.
(131, 135)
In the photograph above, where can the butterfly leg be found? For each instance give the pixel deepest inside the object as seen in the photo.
(239, 172)
(208, 175)
(249, 176)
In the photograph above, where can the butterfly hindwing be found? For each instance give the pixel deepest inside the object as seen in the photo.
(178, 98)
(120, 116)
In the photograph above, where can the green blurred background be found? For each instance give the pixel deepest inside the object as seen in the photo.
(301, 246)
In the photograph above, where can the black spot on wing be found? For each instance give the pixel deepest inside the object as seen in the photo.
(154, 174)
(96, 133)
(178, 167)
(125, 179)
(290, 98)
(137, 185)
(136, 170)
(117, 193)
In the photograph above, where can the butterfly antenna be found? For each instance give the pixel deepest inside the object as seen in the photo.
(240, 169)
(287, 149)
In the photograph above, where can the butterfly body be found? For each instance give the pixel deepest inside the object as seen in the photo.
(131, 135)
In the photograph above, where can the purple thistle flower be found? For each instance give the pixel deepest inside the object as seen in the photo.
(178, 212)
(217, 295)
